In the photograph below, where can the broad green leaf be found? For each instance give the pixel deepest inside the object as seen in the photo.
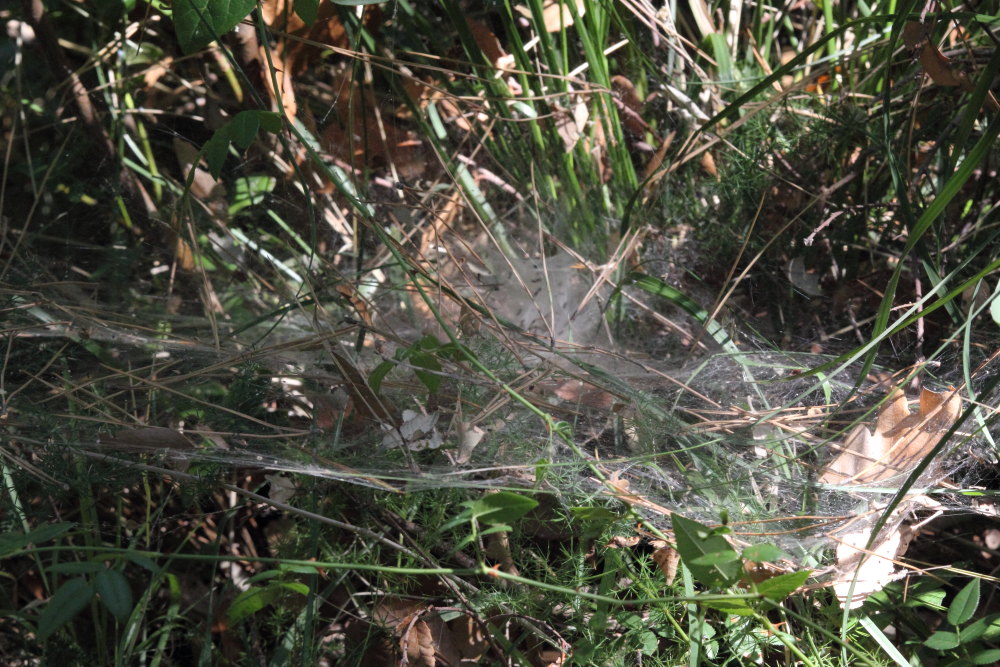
(251, 601)
(716, 558)
(695, 541)
(423, 360)
(376, 376)
(11, 542)
(942, 640)
(241, 130)
(307, 10)
(198, 22)
(114, 592)
(780, 587)
(143, 562)
(68, 601)
(735, 606)
(501, 507)
(988, 624)
(763, 553)
(250, 191)
(75, 567)
(987, 657)
(965, 604)
(992, 633)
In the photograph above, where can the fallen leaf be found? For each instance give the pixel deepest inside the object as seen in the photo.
(862, 572)
(900, 441)
(469, 436)
(708, 164)
(631, 105)
(365, 402)
(149, 438)
(282, 487)
(667, 559)
(417, 432)
(424, 638)
(487, 41)
(555, 14)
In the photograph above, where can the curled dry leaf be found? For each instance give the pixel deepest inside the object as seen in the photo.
(941, 70)
(916, 36)
(630, 105)
(469, 436)
(555, 14)
(417, 432)
(861, 572)
(149, 438)
(900, 441)
(667, 559)
(423, 636)
(487, 42)
(282, 487)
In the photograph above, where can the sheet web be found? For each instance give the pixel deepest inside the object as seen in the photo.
(741, 437)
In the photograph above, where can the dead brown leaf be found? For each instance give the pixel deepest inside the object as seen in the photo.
(423, 636)
(900, 441)
(631, 106)
(667, 559)
(555, 14)
(149, 438)
(364, 401)
(487, 41)
(941, 70)
(862, 572)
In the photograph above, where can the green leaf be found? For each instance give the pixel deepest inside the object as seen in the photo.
(68, 601)
(251, 601)
(992, 622)
(735, 606)
(266, 575)
(973, 631)
(307, 10)
(143, 562)
(780, 587)
(695, 541)
(114, 592)
(763, 553)
(657, 287)
(427, 361)
(198, 22)
(241, 130)
(376, 376)
(942, 640)
(720, 49)
(716, 558)
(965, 603)
(501, 507)
(249, 191)
(987, 657)
(356, 3)
(75, 567)
(12, 542)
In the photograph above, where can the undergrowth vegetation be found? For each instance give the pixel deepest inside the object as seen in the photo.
(493, 333)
